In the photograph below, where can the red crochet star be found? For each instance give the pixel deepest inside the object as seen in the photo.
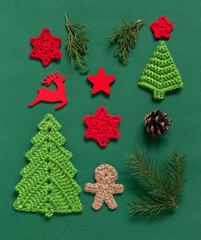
(102, 127)
(46, 47)
(101, 81)
(162, 28)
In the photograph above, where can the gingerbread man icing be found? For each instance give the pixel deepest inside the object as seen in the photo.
(105, 187)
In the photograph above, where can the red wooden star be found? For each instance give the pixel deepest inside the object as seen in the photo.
(101, 81)
(102, 127)
(162, 28)
(46, 47)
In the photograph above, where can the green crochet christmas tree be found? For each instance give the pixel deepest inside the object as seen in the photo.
(160, 74)
(47, 184)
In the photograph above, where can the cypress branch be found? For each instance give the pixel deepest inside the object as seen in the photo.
(125, 36)
(164, 186)
(76, 44)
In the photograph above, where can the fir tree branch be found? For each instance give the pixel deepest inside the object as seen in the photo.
(178, 176)
(76, 44)
(164, 186)
(146, 206)
(175, 171)
(125, 36)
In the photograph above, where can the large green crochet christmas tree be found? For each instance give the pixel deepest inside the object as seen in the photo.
(160, 74)
(47, 184)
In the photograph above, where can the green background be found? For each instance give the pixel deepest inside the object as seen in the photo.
(22, 76)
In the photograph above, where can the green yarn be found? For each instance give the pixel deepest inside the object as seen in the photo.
(160, 74)
(47, 184)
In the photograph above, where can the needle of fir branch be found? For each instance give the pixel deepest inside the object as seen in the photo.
(125, 36)
(76, 44)
(147, 206)
(164, 186)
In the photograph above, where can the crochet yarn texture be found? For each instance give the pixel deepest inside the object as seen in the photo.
(160, 74)
(47, 184)
(102, 127)
(46, 47)
(105, 187)
(162, 28)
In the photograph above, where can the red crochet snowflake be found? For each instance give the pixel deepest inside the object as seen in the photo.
(162, 28)
(46, 47)
(102, 127)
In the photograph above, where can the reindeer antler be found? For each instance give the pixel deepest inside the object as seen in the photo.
(51, 78)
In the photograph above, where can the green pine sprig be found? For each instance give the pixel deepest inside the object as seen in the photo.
(125, 36)
(76, 44)
(164, 185)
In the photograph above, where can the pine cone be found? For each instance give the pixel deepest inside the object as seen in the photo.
(156, 123)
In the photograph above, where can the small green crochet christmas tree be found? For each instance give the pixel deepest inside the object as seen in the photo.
(160, 74)
(47, 184)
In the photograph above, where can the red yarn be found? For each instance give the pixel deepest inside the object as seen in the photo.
(162, 28)
(46, 47)
(48, 95)
(102, 127)
(101, 81)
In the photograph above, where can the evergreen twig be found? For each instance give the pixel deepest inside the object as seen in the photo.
(76, 44)
(125, 36)
(164, 185)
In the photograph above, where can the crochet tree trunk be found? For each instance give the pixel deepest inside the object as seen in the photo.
(160, 74)
(47, 184)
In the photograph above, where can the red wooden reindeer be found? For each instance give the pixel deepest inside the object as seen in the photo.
(48, 95)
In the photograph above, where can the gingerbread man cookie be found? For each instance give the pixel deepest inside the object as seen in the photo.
(105, 187)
